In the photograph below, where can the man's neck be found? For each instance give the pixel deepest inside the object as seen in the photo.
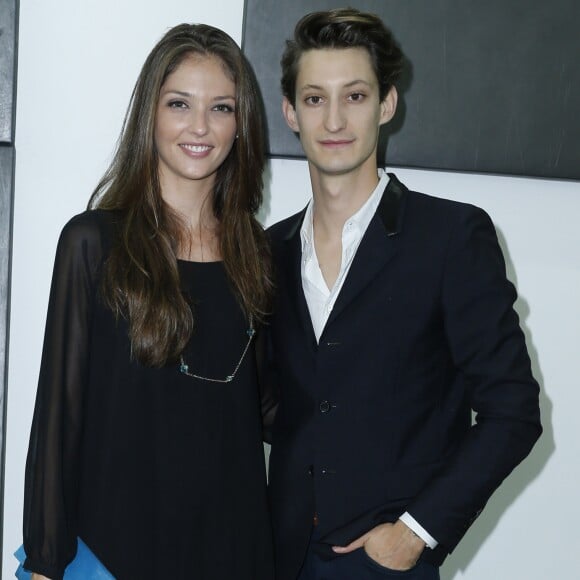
(339, 197)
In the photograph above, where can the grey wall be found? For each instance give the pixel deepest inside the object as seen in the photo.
(8, 12)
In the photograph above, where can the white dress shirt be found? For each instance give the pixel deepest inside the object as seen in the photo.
(320, 299)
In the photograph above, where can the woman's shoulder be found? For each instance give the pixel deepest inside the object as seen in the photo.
(94, 226)
(88, 234)
(91, 223)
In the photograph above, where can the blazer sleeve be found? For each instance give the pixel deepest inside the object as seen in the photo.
(488, 349)
(53, 462)
(269, 393)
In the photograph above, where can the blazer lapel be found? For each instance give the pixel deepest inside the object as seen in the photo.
(378, 245)
(293, 275)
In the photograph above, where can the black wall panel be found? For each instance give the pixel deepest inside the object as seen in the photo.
(492, 86)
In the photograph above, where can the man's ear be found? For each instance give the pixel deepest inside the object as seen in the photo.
(289, 113)
(389, 105)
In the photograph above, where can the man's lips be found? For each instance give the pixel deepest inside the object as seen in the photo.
(335, 142)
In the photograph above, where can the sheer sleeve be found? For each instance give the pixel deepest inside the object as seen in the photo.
(53, 462)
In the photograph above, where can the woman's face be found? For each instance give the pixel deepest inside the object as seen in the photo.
(195, 124)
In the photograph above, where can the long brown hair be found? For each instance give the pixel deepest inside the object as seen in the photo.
(141, 278)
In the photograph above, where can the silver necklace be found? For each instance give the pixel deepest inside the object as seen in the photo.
(184, 367)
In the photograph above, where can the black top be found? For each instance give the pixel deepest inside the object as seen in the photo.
(161, 474)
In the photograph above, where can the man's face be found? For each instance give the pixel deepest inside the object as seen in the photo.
(338, 112)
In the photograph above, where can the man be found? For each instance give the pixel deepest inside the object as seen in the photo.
(393, 322)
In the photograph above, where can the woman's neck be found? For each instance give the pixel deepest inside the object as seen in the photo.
(193, 206)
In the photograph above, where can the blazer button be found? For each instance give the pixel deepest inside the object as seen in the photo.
(310, 470)
(324, 407)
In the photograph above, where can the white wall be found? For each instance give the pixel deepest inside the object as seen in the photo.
(77, 65)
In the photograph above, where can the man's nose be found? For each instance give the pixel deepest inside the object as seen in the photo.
(335, 118)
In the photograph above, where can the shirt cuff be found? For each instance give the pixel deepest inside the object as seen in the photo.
(412, 523)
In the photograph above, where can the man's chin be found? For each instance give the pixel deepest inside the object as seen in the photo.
(336, 169)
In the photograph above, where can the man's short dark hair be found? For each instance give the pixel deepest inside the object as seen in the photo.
(343, 28)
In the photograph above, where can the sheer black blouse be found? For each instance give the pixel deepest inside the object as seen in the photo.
(162, 475)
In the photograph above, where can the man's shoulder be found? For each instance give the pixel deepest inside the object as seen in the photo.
(438, 203)
(413, 213)
(437, 208)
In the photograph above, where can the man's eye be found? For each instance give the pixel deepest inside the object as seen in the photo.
(356, 97)
(314, 100)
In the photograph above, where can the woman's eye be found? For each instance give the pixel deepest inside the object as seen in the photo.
(223, 108)
(313, 100)
(177, 105)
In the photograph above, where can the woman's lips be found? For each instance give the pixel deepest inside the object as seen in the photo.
(196, 149)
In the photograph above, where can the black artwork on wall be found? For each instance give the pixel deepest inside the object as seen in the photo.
(8, 34)
(492, 86)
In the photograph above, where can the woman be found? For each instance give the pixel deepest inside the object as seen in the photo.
(146, 438)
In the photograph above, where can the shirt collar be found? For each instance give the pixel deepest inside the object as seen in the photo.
(359, 221)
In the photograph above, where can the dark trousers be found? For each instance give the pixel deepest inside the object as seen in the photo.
(358, 565)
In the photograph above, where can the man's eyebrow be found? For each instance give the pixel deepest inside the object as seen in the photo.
(309, 86)
(347, 85)
(358, 82)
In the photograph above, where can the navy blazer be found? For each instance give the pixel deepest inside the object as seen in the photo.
(376, 418)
